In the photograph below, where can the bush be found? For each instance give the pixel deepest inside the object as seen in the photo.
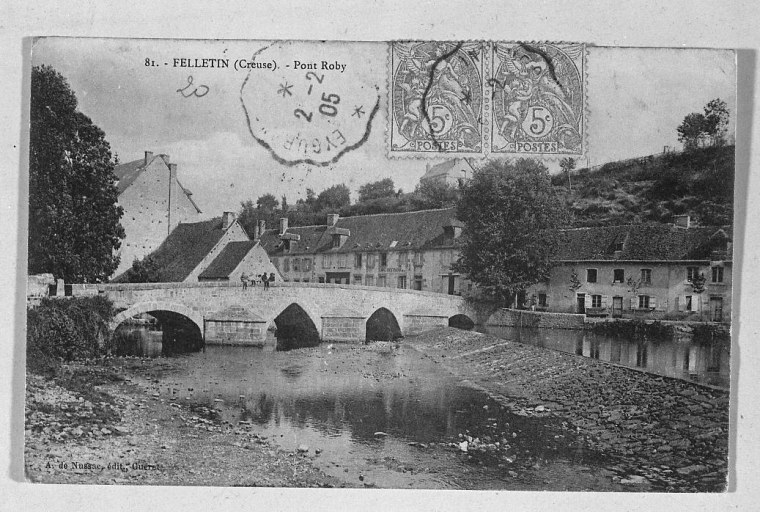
(66, 329)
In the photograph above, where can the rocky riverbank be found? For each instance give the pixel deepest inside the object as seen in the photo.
(656, 433)
(92, 425)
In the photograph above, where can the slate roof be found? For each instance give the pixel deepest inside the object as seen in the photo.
(642, 242)
(228, 260)
(410, 231)
(128, 172)
(185, 248)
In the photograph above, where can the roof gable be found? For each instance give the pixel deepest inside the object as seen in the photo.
(228, 260)
(185, 248)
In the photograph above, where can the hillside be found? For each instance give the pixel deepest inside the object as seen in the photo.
(654, 188)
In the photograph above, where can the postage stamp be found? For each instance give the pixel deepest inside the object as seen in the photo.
(318, 85)
(538, 98)
(436, 98)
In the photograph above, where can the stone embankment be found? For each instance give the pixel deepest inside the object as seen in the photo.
(656, 432)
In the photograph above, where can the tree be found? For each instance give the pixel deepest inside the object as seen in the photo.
(568, 164)
(146, 270)
(511, 215)
(377, 190)
(709, 127)
(74, 228)
(267, 203)
(716, 121)
(434, 194)
(333, 198)
(691, 132)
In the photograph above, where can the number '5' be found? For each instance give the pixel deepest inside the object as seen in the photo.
(327, 109)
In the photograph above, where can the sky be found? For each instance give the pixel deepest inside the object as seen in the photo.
(636, 98)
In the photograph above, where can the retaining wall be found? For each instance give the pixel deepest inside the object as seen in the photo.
(522, 318)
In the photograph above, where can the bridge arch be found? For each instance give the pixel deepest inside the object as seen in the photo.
(461, 321)
(295, 328)
(382, 325)
(146, 307)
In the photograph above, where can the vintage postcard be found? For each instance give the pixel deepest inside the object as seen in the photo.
(481, 265)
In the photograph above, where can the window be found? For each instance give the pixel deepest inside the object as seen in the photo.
(307, 264)
(446, 258)
(306, 279)
(618, 275)
(717, 274)
(358, 260)
(296, 264)
(381, 281)
(383, 259)
(644, 301)
(336, 241)
(542, 300)
(691, 273)
(403, 259)
(357, 279)
(402, 281)
(327, 261)
(689, 303)
(646, 276)
(590, 275)
(370, 281)
(321, 279)
(596, 301)
(418, 259)
(370, 260)
(286, 264)
(296, 280)
(417, 283)
(618, 246)
(342, 260)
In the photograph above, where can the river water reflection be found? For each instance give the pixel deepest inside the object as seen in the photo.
(706, 362)
(366, 410)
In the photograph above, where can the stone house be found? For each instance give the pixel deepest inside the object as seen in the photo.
(451, 172)
(214, 250)
(412, 250)
(154, 203)
(651, 270)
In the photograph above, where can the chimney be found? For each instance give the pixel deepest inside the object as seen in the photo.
(682, 221)
(262, 227)
(283, 225)
(172, 171)
(148, 156)
(227, 219)
(332, 219)
(256, 235)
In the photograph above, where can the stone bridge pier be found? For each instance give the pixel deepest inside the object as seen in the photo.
(225, 313)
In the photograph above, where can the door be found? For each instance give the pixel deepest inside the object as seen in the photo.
(617, 306)
(716, 309)
(451, 285)
(582, 303)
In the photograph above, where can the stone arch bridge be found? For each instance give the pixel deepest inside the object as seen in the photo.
(226, 313)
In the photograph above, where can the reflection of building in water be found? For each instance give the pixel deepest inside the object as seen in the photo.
(651, 270)
(412, 250)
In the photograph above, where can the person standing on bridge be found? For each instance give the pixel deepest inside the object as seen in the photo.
(271, 278)
(244, 280)
(265, 280)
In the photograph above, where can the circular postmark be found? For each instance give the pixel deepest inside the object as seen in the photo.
(315, 105)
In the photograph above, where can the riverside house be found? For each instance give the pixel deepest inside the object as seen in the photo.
(674, 271)
(412, 250)
(154, 203)
(213, 250)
